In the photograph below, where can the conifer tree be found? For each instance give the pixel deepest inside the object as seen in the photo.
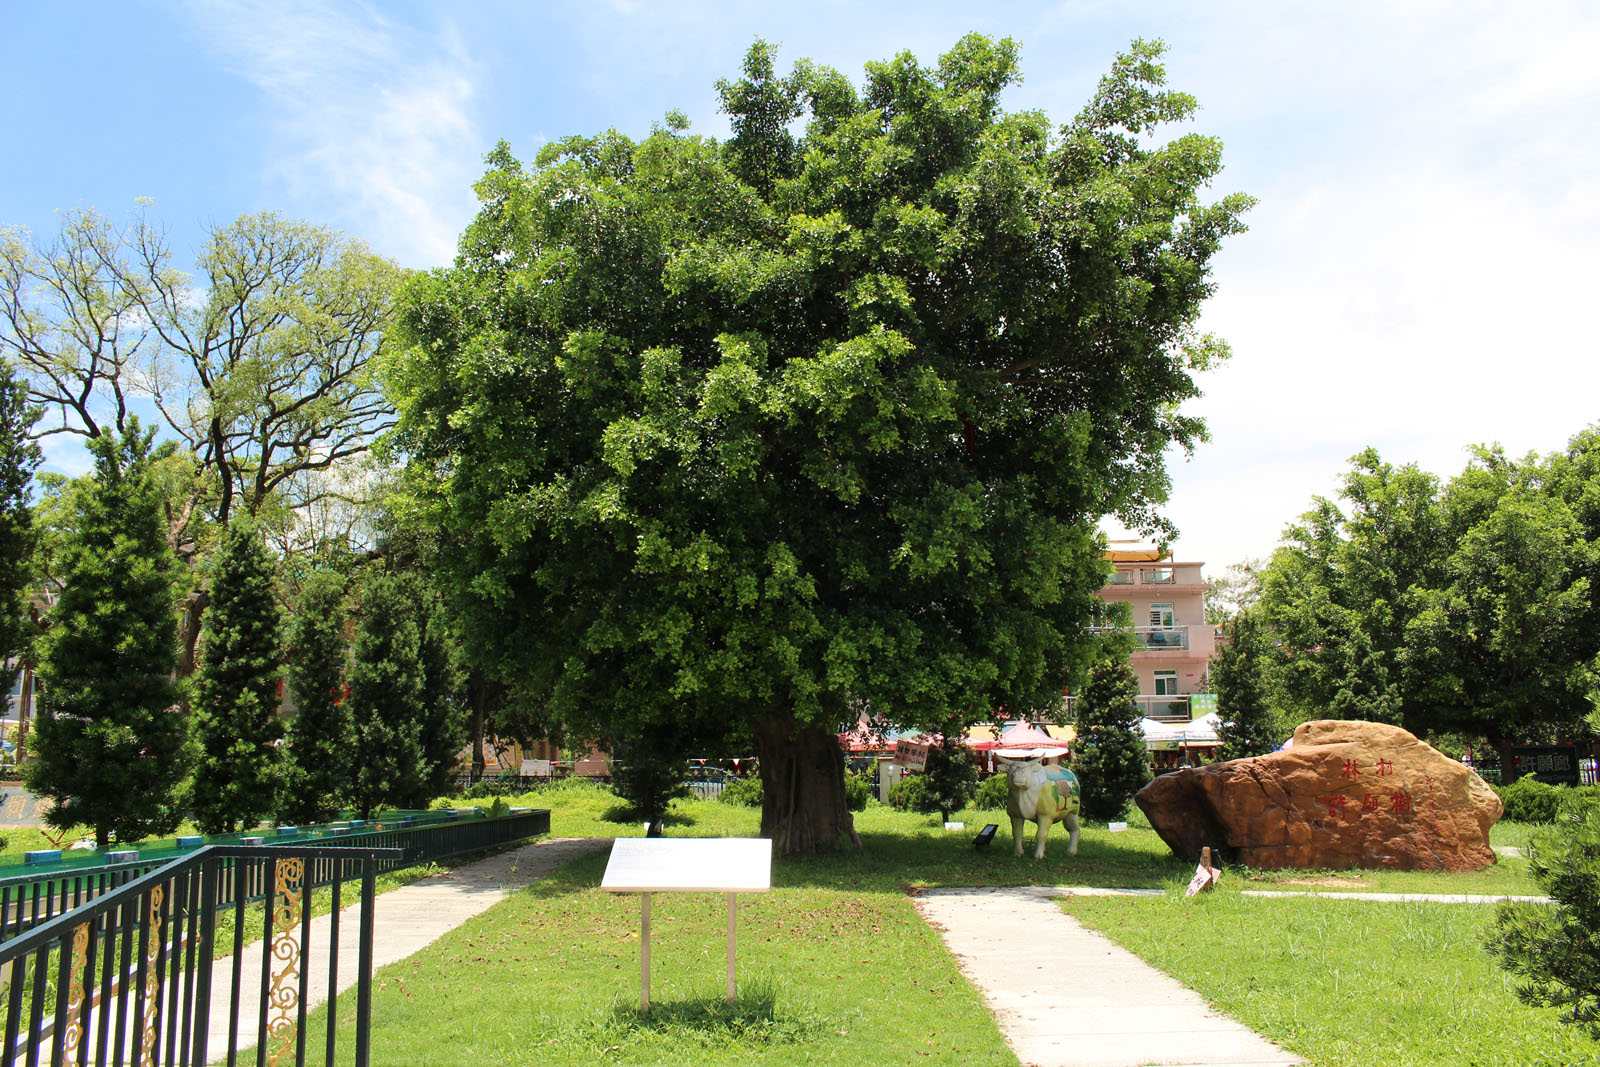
(951, 774)
(19, 458)
(1109, 755)
(443, 727)
(110, 746)
(1249, 725)
(239, 775)
(322, 736)
(388, 693)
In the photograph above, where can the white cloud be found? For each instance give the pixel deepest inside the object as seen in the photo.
(370, 115)
(1418, 272)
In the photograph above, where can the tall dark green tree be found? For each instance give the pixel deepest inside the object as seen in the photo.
(1109, 754)
(442, 728)
(321, 740)
(1250, 726)
(744, 433)
(649, 773)
(951, 773)
(110, 745)
(19, 458)
(388, 695)
(240, 772)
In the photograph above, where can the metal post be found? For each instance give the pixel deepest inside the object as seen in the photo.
(644, 953)
(733, 903)
(369, 894)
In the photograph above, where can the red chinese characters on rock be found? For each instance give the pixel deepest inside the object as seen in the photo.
(1396, 803)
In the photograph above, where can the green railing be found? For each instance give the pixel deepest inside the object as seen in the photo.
(31, 894)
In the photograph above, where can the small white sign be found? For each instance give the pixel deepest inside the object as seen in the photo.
(535, 768)
(1116, 827)
(955, 826)
(689, 865)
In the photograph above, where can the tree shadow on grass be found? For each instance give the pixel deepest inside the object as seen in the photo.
(753, 1019)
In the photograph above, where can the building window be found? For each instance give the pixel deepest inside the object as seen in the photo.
(1161, 616)
(1158, 576)
(1166, 683)
(1122, 578)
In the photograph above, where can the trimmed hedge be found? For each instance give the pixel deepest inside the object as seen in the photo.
(1530, 800)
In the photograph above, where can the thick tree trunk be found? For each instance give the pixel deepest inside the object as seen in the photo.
(803, 807)
(1508, 768)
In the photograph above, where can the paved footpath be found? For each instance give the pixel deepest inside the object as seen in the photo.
(406, 920)
(1065, 996)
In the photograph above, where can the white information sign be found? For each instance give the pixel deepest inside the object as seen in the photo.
(647, 865)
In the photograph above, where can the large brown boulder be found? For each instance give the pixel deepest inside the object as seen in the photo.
(1345, 794)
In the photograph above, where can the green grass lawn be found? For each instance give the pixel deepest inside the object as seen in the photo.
(1345, 984)
(836, 965)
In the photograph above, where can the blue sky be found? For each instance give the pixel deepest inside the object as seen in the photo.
(1419, 275)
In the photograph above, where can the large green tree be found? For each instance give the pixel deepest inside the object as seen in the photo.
(321, 739)
(1503, 646)
(19, 458)
(1344, 586)
(110, 745)
(1469, 609)
(738, 433)
(240, 771)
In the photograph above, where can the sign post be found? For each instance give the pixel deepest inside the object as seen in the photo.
(647, 865)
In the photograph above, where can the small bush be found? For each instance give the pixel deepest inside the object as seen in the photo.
(1530, 800)
(992, 794)
(1578, 801)
(746, 791)
(857, 791)
(909, 793)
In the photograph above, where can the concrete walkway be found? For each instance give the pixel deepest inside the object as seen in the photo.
(1065, 996)
(406, 920)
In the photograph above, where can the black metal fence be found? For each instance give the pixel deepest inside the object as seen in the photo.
(137, 975)
(26, 900)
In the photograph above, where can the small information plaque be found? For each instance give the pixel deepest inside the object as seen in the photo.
(647, 865)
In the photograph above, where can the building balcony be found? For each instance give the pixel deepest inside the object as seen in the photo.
(1159, 708)
(1155, 638)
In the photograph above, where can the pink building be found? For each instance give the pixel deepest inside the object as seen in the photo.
(1175, 643)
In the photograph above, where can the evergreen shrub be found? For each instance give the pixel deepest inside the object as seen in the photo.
(857, 791)
(992, 793)
(1530, 800)
(910, 793)
(1554, 949)
(746, 791)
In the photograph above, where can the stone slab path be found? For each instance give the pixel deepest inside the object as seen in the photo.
(1065, 996)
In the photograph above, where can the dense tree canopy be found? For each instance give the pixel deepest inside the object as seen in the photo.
(741, 432)
(1469, 609)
